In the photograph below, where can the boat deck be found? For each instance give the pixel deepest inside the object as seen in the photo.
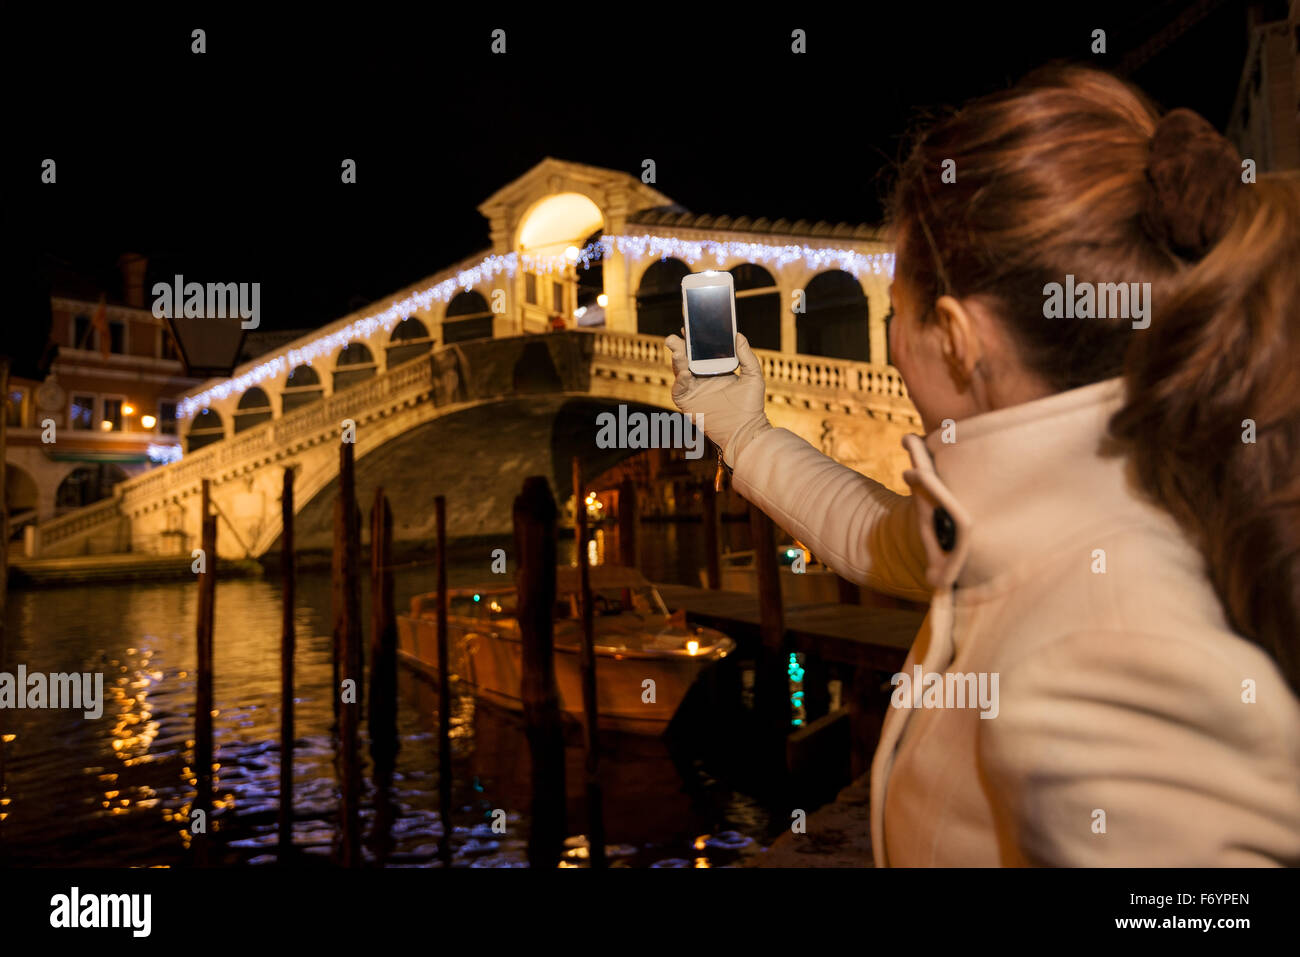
(859, 635)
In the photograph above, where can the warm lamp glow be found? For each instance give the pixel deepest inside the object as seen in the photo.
(128, 409)
(571, 253)
(105, 425)
(602, 300)
(148, 421)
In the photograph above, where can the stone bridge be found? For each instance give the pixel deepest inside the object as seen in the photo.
(469, 420)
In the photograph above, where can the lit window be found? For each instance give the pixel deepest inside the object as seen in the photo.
(112, 415)
(82, 415)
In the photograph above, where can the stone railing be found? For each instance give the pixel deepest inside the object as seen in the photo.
(782, 372)
(266, 439)
(85, 519)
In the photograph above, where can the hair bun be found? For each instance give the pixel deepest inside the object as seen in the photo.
(1193, 174)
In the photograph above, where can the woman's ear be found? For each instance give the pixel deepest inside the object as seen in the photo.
(959, 337)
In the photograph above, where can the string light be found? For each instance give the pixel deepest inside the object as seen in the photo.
(163, 454)
(690, 251)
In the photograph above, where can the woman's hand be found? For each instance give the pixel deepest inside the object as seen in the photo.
(729, 407)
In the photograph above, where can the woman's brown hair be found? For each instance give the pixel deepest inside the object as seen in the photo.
(1073, 171)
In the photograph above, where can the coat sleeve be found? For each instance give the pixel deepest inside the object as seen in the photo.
(1131, 749)
(862, 530)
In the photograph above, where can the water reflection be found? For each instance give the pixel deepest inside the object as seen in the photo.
(118, 791)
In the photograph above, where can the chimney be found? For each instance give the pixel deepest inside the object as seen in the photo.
(133, 267)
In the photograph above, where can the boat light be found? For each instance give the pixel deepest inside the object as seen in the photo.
(693, 647)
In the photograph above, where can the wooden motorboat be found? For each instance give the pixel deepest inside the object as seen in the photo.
(646, 658)
(803, 578)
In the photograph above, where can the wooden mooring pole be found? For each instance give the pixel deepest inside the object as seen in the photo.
(595, 814)
(772, 689)
(203, 676)
(287, 641)
(444, 685)
(347, 586)
(534, 516)
(383, 633)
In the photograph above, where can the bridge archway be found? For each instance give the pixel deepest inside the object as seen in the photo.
(836, 322)
(410, 338)
(254, 408)
(354, 363)
(498, 445)
(88, 484)
(659, 298)
(558, 225)
(206, 428)
(468, 317)
(758, 306)
(22, 497)
(302, 387)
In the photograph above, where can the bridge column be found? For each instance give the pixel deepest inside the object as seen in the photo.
(793, 277)
(620, 313)
(877, 291)
(789, 337)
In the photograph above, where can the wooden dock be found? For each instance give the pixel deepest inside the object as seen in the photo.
(872, 641)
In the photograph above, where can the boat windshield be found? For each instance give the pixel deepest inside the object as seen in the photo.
(616, 601)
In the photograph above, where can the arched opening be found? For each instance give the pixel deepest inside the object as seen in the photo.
(88, 484)
(835, 324)
(355, 363)
(22, 499)
(557, 290)
(207, 428)
(758, 306)
(410, 338)
(303, 387)
(468, 317)
(254, 408)
(659, 298)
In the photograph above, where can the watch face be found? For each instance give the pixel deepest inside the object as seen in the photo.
(50, 397)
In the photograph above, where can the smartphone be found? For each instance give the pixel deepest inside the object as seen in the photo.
(709, 305)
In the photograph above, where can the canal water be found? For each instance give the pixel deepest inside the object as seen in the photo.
(116, 791)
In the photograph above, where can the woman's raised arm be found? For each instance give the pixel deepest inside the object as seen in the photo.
(862, 530)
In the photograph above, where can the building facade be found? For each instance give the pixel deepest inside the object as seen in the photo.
(106, 411)
(1265, 120)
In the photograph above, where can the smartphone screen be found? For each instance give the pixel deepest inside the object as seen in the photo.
(708, 310)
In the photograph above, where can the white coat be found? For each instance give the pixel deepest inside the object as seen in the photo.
(1132, 726)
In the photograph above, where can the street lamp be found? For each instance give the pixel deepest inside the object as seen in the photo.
(209, 346)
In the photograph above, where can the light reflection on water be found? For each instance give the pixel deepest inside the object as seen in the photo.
(117, 791)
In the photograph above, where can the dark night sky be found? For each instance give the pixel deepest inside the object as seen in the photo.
(225, 167)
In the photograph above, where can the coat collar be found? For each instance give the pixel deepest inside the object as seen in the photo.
(1014, 483)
